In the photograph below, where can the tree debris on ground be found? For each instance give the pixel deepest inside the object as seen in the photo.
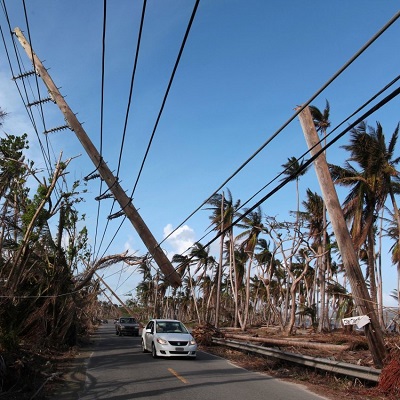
(204, 334)
(389, 382)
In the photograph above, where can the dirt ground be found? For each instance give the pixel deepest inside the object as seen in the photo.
(331, 386)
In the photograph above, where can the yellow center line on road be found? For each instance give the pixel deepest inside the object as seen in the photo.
(181, 378)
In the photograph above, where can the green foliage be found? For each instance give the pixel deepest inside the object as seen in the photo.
(39, 304)
(32, 207)
(311, 312)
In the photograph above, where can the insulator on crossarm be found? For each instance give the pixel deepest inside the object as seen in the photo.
(24, 75)
(56, 129)
(91, 176)
(35, 103)
(116, 215)
(104, 196)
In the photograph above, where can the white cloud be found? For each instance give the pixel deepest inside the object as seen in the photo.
(181, 239)
(128, 245)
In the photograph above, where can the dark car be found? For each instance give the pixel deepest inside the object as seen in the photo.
(127, 326)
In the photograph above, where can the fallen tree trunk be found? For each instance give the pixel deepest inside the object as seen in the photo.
(291, 342)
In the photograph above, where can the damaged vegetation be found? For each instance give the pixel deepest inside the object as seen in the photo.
(274, 273)
(347, 347)
(47, 300)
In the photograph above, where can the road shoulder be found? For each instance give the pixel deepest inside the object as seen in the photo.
(73, 373)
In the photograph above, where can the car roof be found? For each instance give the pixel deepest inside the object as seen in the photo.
(165, 320)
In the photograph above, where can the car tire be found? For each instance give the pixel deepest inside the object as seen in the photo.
(144, 350)
(153, 351)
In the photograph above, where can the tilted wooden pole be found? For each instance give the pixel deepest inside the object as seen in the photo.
(112, 182)
(126, 308)
(359, 289)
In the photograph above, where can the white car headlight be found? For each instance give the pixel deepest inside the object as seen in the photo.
(162, 341)
(192, 342)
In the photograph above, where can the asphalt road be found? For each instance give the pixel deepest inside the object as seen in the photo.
(117, 369)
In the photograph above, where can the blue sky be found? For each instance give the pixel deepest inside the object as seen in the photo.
(245, 67)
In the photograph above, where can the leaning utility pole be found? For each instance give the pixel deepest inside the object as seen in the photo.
(112, 182)
(124, 306)
(359, 289)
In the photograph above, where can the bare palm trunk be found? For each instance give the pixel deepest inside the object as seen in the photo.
(371, 270)
(397, 218)
(322, 274)
(247, 304)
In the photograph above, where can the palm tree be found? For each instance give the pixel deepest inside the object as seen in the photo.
(314, 217)
(254, 225)
(322, 123)
(393, 232)
(200, 256)
(370, 185)
(224, 210)
(321, 119)
(294, 170)
(185, 263)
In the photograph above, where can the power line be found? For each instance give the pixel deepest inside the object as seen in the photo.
(162, 105)
(391, 83)
(132, 83)
(46, 157)
(285, 124)
(259, 150)
(127, 113)
(167, 92)
(307, 163)
(103, 52)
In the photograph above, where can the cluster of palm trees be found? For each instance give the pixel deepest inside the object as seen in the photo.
(288, 272)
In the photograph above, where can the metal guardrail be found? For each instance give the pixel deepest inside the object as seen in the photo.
(337, 367)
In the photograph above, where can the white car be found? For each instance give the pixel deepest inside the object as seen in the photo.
(168, 338)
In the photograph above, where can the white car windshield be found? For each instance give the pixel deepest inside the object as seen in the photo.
(170, 327)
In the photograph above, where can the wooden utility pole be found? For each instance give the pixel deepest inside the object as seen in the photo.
(359, 289)
(125, 307)
(112, 182)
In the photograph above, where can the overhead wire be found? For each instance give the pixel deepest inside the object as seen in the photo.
(307, 163)
(103, 52)
(167, 92)
(126, 121)
(304, 166)
(34, 67)
(190, 23)
(21, 73)
(48, 145)
(132, 84)
(302, 156)
(286, 123)
(275, 134)
(369, 101)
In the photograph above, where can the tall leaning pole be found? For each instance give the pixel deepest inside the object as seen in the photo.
(112, 182)
(359, 289)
